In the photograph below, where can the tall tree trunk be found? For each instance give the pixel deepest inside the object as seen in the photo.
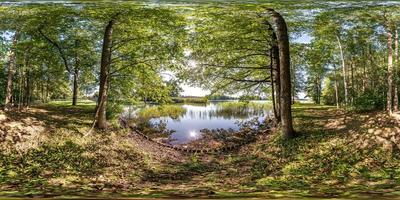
(353, 89)
(273, 87)
(372, 65)
(396, 75)
(346, 93)
(336, 87)
(27, 88)
(76, 76)
(11, 72)
(276, 74)
(20, 89)
(285, 81)
(104, 76)
(389, 106)
(47, 88)
(75, 85)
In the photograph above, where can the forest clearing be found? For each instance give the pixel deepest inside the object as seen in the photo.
(199, 99)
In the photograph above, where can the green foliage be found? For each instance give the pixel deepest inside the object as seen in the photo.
(114, 109)
(370, 100)
(229, 49)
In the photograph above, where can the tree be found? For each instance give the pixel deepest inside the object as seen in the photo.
(389, 96)
(135, 38)
(285, 81)
(11, 71)
(104, 75)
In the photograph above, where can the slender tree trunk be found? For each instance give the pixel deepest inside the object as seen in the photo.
(75, 86)
(276, 74)
(42, 90)
(353, 88)
(273, 86)
(20, 89)
(104, 76)
(372, 66)
(47, 88)
(336, 87)
(396, 68)
(27, 88)
(285, 81)
(389, 106)
(11, 72)
(76, 76)
(346, 94)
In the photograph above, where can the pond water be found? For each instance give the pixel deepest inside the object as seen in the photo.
(213, 115)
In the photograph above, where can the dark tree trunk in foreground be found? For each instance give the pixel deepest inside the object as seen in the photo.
(11, 72)
(285, 81)
(104, 76)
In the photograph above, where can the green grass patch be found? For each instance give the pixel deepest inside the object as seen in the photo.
(242, 109)
(81, 104)
(173, 111)
(194, 100)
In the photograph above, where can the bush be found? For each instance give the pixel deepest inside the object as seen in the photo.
(368, 101)
(114, 109)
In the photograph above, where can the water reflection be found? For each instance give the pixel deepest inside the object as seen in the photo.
(190, 124)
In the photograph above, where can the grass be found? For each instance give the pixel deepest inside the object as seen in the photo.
(194, 100)
(242, 109)
(173, 111)
(337, 154)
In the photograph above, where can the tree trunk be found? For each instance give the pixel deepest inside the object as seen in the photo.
(389, 105)
(273, 87)
(20, 89)
(276, 74)
(27, 89)
(75, 86)
(104, 76)
(285, 81)
(396, 68)
(346, 94)
(353, 89)
(11, 72)
(336, 87)
(76, 76)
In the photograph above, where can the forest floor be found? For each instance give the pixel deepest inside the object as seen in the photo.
(45, 152)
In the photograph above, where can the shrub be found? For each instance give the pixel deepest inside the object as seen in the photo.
(368, 101)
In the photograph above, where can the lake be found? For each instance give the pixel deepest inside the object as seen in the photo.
(188, 125)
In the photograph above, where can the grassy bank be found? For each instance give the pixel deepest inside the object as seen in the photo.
(45, 152)
(194, 100)
(173, 111)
